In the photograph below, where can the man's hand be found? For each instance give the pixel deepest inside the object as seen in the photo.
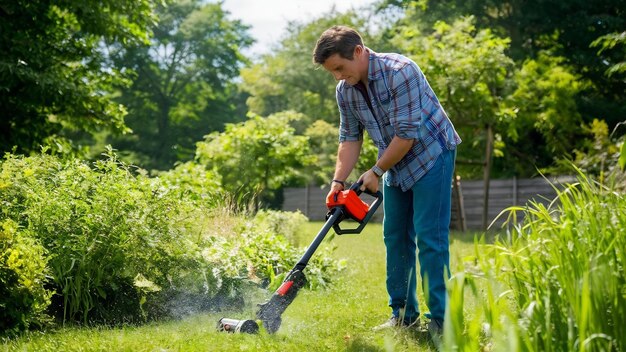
(370, 181)
(335, 187)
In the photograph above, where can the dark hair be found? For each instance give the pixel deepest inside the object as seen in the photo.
(336, 40)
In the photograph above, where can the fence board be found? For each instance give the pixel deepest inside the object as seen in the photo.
(502, 194)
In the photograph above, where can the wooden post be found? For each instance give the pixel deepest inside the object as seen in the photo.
(487, 175)
(457, 193)
(307, 199)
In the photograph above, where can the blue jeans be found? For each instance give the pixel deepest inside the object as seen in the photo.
(419, 219)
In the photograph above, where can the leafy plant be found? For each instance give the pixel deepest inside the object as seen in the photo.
(120, 246)
(256, 157)
(53, 70)
(181, 82)
(23, 271)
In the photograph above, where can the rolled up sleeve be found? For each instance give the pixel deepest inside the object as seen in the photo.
(350, 129)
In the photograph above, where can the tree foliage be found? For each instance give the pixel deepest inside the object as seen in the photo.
(547, 125)
(181, 86)
(615, 42)
(287, 79)
(564, 28)
(323, 143)
(532, 108)
(470, 73)
(52, 76)
(256, 157)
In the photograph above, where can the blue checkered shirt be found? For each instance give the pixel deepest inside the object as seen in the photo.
(403, 105)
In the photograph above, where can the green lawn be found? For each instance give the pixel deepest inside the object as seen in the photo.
(335, 319)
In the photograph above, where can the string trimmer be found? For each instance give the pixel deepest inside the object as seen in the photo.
(341, 205)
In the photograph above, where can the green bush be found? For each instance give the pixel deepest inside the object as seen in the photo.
(23, 298)
(262, 252)
(282, 223)
(102, 226)
(121, 246)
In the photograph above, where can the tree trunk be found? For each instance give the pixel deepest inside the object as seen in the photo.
(163, 125)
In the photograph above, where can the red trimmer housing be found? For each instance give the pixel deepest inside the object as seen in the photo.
(355, 208)
(352, 207)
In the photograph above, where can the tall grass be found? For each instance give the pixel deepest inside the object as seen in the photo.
(557, 284)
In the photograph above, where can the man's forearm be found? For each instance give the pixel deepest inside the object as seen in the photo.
(396, 150)
(347, 156)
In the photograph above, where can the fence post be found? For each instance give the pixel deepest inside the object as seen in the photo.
(487, 175)
(307, 197)
(457, 193)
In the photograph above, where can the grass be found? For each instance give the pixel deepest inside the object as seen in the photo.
(336, 319)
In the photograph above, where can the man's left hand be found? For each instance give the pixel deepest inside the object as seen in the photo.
(370, 181)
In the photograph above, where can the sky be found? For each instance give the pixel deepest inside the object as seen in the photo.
(269, 18)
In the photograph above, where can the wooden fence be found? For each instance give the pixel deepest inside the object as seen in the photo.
(467, 202)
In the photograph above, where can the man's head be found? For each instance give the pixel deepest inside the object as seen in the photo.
(341, 52)
(336, 40)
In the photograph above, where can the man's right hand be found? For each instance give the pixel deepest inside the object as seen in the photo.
(335, 187)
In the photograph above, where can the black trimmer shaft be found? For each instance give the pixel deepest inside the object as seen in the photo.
(345, 204)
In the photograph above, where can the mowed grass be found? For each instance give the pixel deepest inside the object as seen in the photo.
(339, 318)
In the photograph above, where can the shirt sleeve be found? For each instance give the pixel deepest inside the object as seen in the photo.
(350, 129)
(406, 112)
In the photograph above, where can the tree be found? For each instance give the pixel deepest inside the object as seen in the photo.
(287, 79)
(547, 125)
(52, 76)
(564, 28)
(531, 107)
(470, 73)
(182, 82)
(613, 42)
(257, 157)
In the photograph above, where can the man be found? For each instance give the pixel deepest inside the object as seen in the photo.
(388, 95)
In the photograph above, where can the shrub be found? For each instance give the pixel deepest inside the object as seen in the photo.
(282, 223)
(23, 298)
(120, 246)
(103, 227)
(261, 252)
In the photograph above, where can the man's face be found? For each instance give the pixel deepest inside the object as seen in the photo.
(343, 69)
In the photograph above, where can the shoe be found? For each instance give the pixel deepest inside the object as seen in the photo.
(394, 322)
(435, 329)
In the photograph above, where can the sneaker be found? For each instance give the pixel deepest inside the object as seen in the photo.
(394, 322)
(435, 329)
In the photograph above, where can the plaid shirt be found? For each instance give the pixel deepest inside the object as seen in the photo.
(402, 104)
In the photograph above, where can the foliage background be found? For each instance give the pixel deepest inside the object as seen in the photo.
(206, 138)
(100, 243)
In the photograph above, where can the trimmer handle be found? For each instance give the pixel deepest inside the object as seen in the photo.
(353, 207)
